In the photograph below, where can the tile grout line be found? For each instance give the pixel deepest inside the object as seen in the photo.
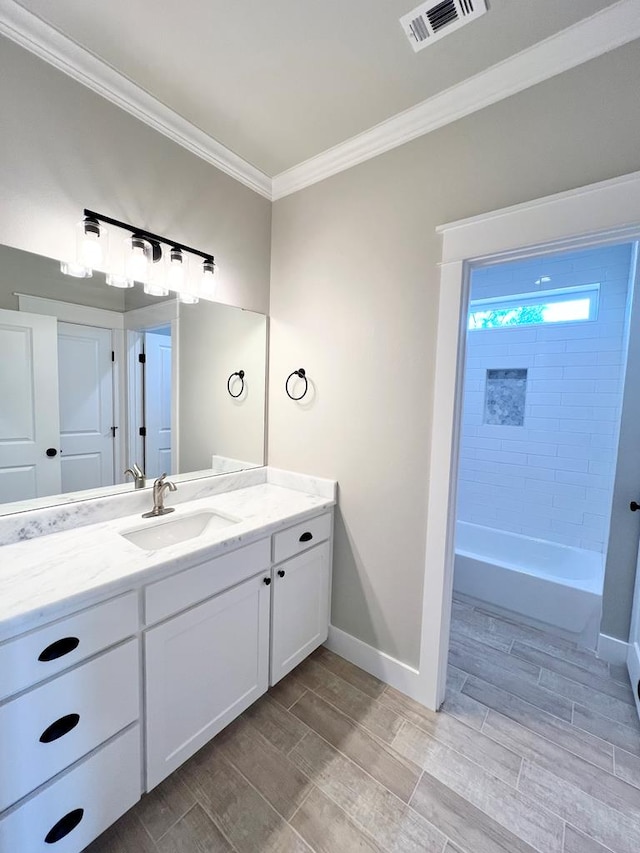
(204, 808)
(157, 840)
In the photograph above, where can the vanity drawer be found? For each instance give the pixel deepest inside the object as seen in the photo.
(48, 728)
(82, 803)
(45, 652)
(302, 536)
(187, 588)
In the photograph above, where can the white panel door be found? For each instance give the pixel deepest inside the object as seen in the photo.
(203, 669)
(29, 421)
(300, 616)
(157, 395)
(86, 406)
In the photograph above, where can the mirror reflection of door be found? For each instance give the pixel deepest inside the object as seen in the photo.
(157, 401)
(28, 407)
(86, 407)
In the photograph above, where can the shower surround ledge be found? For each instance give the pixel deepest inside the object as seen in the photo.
(56, 561)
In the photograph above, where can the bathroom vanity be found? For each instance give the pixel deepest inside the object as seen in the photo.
(126, 645)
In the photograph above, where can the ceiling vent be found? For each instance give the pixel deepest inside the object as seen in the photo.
(431, 21)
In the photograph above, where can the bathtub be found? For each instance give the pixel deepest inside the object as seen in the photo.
(549, 586)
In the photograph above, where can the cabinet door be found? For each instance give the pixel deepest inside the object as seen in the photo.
(300, 615)
(203, 668)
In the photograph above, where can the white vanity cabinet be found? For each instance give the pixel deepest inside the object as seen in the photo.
(248, 623)
(203, 669)
(70, 743)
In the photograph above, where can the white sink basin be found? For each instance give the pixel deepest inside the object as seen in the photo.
(161, 534)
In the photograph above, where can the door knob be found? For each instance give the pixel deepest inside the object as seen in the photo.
(51, 452)
(634, 507)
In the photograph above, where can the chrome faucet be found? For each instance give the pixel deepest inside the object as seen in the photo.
(159, 488)
(139, 479)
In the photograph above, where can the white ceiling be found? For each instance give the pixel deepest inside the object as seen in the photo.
(281, 81)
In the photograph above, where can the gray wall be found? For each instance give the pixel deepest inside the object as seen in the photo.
(354, 295)
(64, 148)
(216, 341)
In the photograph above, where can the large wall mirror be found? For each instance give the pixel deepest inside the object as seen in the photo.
(94, 379)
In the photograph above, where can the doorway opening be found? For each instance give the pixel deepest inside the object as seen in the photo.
(543, 398)
(151, 398)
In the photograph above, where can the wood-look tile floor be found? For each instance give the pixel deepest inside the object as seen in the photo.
(537, 748)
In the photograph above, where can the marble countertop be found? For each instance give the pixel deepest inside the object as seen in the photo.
(50, 576)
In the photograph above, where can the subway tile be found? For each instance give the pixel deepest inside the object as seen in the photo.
(528, 446)
(602, 469)
(556, 488)
(571, 398)
(599, 345)
(589, 426)
(592, 372)
(565, 359)
(566, 386)
(609, 386)
(613, 357)
(578, 478)
(558, 463)
(540, 373)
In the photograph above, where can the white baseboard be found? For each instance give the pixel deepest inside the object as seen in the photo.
(399, 675)
(612, 649)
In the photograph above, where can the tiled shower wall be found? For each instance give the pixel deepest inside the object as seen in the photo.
(552, 477)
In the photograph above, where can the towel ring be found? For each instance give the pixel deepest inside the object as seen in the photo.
(301, 374)
(240, 374)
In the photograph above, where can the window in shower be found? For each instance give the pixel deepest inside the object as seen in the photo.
(563, 305)
(505, 397)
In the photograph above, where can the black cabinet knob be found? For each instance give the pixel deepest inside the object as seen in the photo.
(60, 728)
(51, 452)
(266, 581)
(58, 649)
(64, 826)
(281, 573)
(634, 507)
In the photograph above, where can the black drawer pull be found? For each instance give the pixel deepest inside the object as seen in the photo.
(64, 826)
(59, 648)
(306, 537)
(59, 728)
(281, 573)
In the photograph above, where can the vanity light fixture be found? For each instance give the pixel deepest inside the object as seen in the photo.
(176, 273)
(75, 269)
(142, 254)
(92, 240)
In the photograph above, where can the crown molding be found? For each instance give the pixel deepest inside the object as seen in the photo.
(606, 30)
(40, 38)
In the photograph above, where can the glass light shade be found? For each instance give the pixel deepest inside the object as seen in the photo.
(155, 289)
(208, 271)
(119, 281)
(176, 273)
(138, 264)
(75, 269)
(92, 242)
